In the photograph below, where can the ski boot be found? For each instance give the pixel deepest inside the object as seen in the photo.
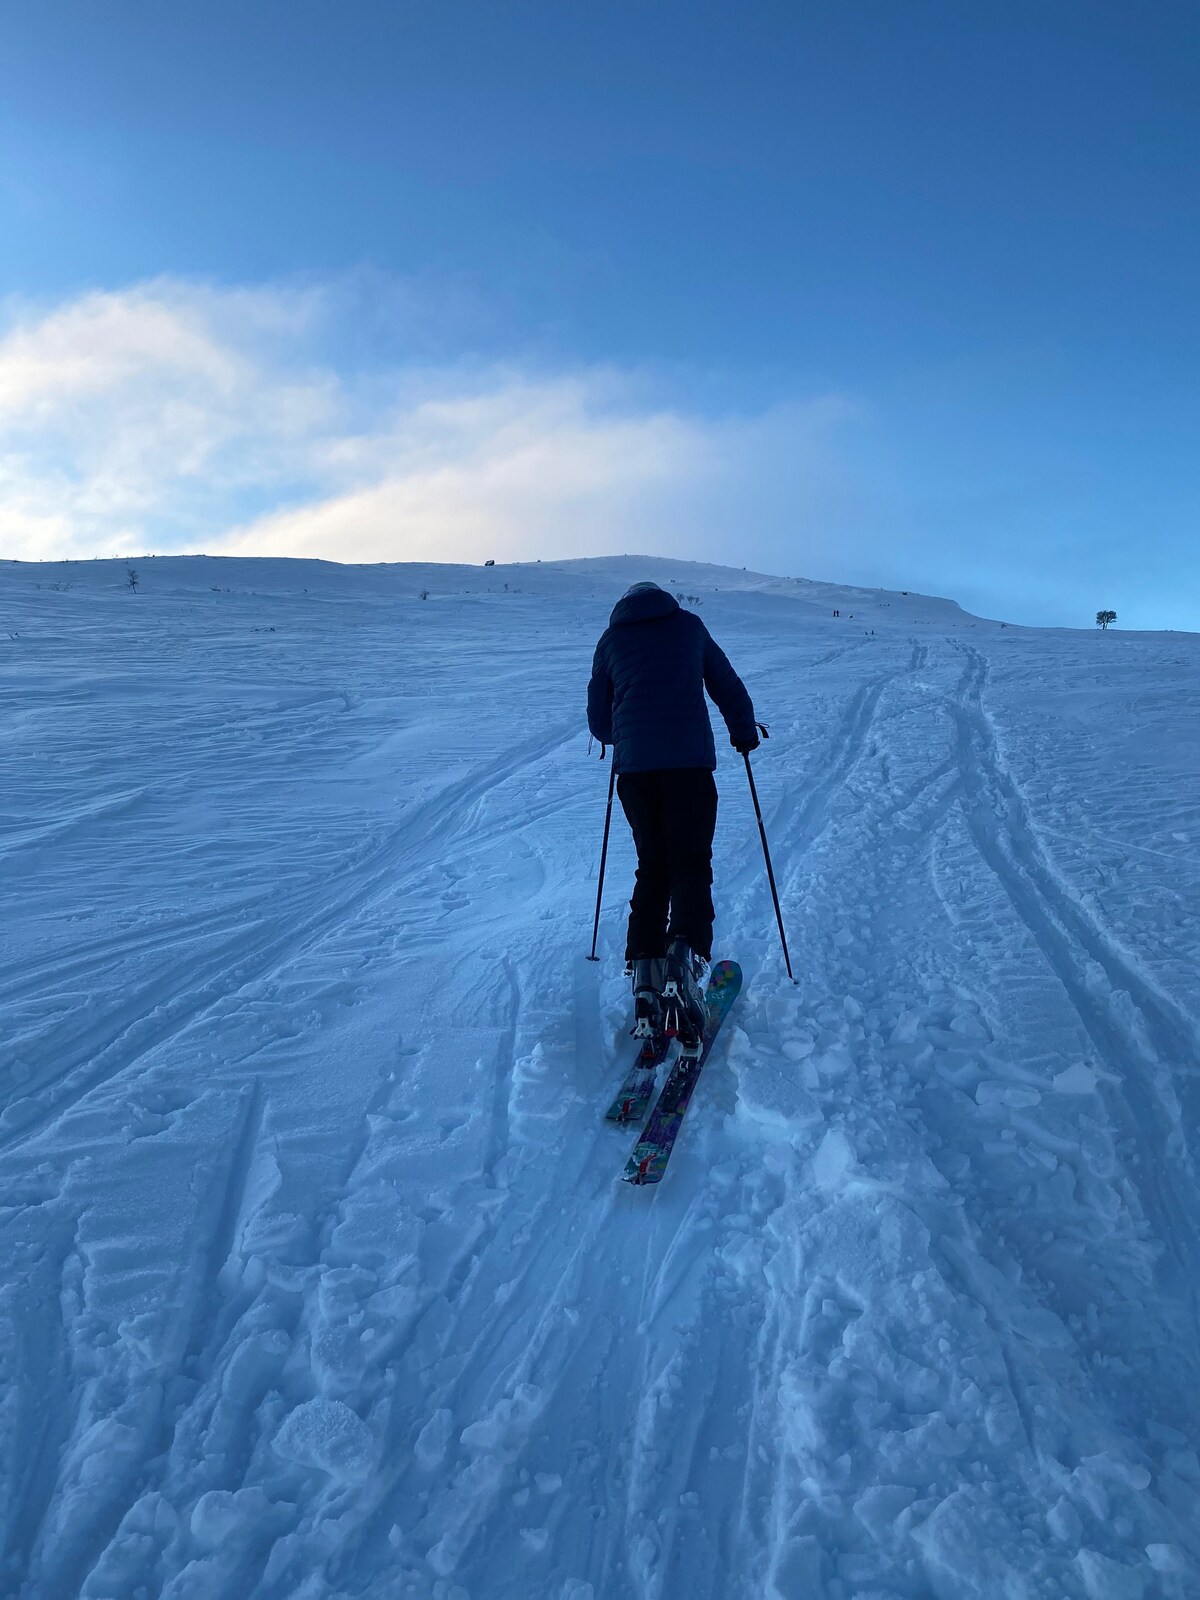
(647, 972)
(683, 996)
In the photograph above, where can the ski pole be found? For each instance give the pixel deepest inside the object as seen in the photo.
(612, 780)
(762, 833)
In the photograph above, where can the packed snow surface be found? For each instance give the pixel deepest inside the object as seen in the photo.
(316, 1278)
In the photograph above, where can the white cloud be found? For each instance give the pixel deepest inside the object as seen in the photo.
(171, 416)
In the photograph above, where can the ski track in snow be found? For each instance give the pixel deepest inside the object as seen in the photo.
(320, 1284)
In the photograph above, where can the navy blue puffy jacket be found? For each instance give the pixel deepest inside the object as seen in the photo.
(646, 697)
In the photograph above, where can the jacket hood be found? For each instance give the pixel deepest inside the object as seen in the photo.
(644, 603)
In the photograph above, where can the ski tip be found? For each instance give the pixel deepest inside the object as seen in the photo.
(642, 1172)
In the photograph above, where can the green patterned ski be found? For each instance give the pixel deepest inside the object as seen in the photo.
(653, 1150)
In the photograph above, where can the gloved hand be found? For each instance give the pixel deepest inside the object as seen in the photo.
(744, 745)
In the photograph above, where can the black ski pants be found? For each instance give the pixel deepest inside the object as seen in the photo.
(673, 815)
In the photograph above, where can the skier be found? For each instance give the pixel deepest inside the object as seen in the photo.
(646, 699)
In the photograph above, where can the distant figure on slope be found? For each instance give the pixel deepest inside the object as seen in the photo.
(646, 699)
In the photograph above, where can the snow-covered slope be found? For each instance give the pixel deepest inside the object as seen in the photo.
(315, 1280)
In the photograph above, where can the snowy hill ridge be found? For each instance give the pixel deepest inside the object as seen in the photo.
(316, 1280)
(593, 577)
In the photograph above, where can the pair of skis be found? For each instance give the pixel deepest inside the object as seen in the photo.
(653, 1150)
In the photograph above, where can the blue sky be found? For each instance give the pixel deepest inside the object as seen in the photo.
(885, 292)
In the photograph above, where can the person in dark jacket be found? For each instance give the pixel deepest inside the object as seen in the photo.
(646, 699)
